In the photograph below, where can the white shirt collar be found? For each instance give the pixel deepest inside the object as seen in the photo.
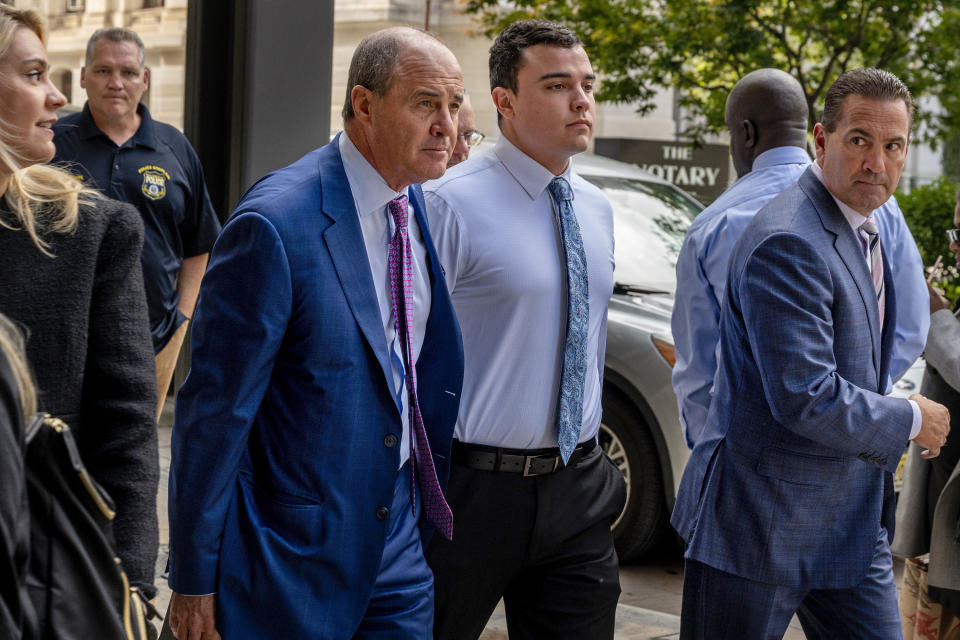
(370, 191)
(854, 218)
(529, 174)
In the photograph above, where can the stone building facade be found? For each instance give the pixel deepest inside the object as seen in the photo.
(162, 25)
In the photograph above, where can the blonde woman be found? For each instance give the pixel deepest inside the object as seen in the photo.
(17, 401)
(70, 274)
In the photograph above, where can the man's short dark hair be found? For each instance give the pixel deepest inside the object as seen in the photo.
(508, 48)
(117, 35)
(870, 82)
(374, 62)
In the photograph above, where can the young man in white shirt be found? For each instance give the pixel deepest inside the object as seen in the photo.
(527, 248)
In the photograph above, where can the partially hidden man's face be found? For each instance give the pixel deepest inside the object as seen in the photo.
(114, 80)
(466, 126)
(414, 125)
(863, 158)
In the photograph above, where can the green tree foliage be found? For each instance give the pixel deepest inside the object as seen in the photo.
(928, 211)
(702, 47)
(950, 157)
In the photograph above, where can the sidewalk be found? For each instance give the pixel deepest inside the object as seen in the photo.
(633, 623)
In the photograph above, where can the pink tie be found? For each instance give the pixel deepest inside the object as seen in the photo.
(872, 236)
(401, 298)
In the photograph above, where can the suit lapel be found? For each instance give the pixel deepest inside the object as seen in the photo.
(433, 263)
(344, 241)
(437, 328)
(440, 366)
(850, 250)
(889, 315)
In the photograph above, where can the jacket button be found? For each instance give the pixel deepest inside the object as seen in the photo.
(383, 513)
(390, 440)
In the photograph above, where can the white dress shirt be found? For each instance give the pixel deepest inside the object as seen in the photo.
(495, 226)
(855, 219)
(371, 194)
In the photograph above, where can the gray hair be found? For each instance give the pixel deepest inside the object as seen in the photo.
(870, 82)
(115, 34)
(375, 60)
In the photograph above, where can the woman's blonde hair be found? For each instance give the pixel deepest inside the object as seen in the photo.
(13, 347)
(43, 198)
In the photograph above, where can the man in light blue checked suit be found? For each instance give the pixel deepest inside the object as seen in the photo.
(780, 502)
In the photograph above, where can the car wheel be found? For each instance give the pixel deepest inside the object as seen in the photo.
(626, 440)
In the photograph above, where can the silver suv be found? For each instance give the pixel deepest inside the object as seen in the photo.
(641, 429)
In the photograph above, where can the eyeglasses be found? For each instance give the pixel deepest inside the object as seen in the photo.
(954, 235)
(472, 139)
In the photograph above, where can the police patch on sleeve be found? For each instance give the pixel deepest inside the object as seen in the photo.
(154, 184)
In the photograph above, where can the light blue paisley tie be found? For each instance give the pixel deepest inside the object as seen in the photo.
(570, 404)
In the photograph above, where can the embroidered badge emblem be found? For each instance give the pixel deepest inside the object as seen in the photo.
(154, 184)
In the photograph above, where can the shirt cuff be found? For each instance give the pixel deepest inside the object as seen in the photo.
(917, 419)
(192, 595)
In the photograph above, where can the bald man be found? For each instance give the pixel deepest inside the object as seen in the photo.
(312, 437)
(766, 114)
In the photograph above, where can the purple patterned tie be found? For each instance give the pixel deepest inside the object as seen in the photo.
(401, 301)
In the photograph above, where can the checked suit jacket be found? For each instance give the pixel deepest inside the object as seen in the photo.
(786, 486)
(284, 449)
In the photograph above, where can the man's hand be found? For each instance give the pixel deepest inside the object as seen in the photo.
(934, 426)
(192, 617)
(937, 301)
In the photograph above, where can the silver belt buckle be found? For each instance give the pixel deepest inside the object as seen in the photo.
(528, 464)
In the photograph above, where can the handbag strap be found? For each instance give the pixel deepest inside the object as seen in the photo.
(33, 427)
(62, 429)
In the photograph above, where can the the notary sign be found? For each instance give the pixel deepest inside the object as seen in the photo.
(703, 172)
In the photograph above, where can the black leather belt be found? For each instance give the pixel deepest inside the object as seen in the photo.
(530, 462)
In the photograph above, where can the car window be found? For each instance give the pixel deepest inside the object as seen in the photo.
(649, 223)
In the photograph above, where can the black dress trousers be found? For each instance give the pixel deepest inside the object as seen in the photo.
(541, 543)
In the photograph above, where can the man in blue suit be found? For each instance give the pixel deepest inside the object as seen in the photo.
(767, 117)
(780, 502)
(315, 425)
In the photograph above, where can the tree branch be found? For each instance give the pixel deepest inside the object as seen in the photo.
(778, 34)
(825, 76)
(693, 82)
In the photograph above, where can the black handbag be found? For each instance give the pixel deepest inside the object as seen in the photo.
(77, 585)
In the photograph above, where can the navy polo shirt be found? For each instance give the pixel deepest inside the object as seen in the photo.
(159, 173)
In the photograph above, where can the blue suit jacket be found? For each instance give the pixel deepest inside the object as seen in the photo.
(786, 485)
(279, 459)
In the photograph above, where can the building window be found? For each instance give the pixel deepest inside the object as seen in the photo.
(74, 6)
(150, 4)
